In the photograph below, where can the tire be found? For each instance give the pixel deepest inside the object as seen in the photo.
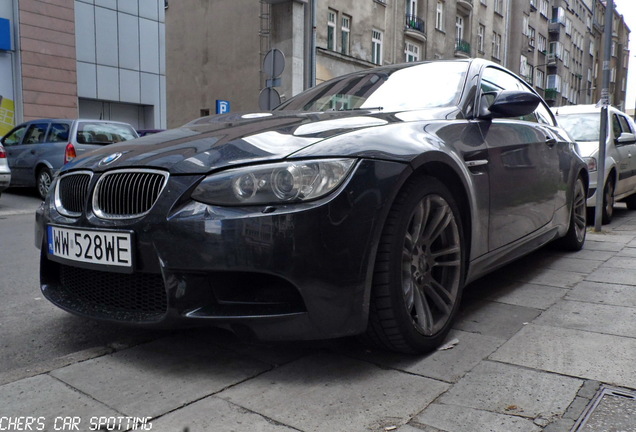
(419, 270)
(608, 201)
(575, 237)
(43, 181)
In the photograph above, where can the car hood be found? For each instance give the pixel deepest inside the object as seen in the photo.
(587, 148)
(210, 143)
(218, 141)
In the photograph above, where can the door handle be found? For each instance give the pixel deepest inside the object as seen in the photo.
(550, 141)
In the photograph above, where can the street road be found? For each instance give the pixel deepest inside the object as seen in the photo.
(34, 334)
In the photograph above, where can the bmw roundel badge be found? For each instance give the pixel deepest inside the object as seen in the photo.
(110, 159)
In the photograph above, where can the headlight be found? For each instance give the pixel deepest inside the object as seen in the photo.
(591, 163)
(284, 182)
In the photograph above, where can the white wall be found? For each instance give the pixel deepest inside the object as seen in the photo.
(121, 58)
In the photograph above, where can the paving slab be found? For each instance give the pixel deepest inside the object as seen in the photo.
(494, 319)
(516, 293)
(446, 365)
(593, 317)
(326, 392)
(49, 403)
(610, 236)
(589, 254)
(218, 415)
(621, 263)
(461, 419)
(596, 292)
(613, 276)
(508, 389)
(578, 353)
(602, 245)
(629, 251)
(160, 376)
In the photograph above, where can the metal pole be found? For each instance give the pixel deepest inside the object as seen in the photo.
(605, 101)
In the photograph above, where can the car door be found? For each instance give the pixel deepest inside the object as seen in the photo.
(523, 166)
(12, 143)
(625, 147)
(23, 155)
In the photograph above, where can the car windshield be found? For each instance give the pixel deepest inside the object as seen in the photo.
(415, 87)
(581, 127)
(104, 133)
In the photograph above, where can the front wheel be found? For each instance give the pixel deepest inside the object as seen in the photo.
(419, 270)
(608, 201)
(43, 181)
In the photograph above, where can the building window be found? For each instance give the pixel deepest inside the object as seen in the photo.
(412, 52)
(524, 25)
(481, 34)
(346, 31)
(542, 43)
(540, 77)
(533, 4)
(459, 28)
(613, 49)
(376, 47)
(543, 8)
(411, 7)
(496, 45)
(439, 16)
(568, 26)
(331, 29)
(499, 7)
(531, 36)
(566, 58)
(592, 48)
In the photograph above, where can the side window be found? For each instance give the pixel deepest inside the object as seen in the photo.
(494, 80)
(58, 132)
(616, 126)
(14, 137)
(625, 127)
(36, 133)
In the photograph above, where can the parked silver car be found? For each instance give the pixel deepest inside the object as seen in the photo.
(5, 171)
(583, 122)
(38, 148)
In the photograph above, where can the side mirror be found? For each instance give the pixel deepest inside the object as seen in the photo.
(508, 103)
(626, 138)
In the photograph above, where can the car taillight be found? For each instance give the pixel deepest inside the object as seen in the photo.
(69, 154)
(3, 154)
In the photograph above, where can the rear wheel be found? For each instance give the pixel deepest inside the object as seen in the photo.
(419, 270)
(43, 181)
(575, 237)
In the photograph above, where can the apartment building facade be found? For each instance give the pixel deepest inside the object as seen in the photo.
(555, 45)
(82, 58)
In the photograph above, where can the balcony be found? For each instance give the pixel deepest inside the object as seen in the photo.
(550, 94)
(415, 27)
(554, 27)
(465, 5)
(462, 48)
(551, 59)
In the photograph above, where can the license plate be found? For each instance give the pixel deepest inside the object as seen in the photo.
(112, 248)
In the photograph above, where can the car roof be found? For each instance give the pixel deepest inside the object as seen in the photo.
(580, 109)
(46, 120)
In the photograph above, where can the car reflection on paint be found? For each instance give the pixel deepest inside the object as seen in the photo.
(359, 207)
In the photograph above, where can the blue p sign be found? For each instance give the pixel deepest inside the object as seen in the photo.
(222, 106)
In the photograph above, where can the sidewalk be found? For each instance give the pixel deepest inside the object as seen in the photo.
(536, 343)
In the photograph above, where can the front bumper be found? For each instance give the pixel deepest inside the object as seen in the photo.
(292, 272)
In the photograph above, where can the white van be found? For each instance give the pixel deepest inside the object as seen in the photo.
(582, 122)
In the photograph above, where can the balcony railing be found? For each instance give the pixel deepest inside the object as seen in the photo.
(462, 47)
(551, 94)
(415, 23)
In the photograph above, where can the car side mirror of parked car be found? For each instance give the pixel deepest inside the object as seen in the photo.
(626, 138)
(508, 103)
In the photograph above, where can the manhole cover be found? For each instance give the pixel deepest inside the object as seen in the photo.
(611, 410)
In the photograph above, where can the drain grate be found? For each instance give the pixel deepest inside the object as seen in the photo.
(612, 410)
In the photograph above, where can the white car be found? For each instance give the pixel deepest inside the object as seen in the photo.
(582, 122)
(5, 171)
